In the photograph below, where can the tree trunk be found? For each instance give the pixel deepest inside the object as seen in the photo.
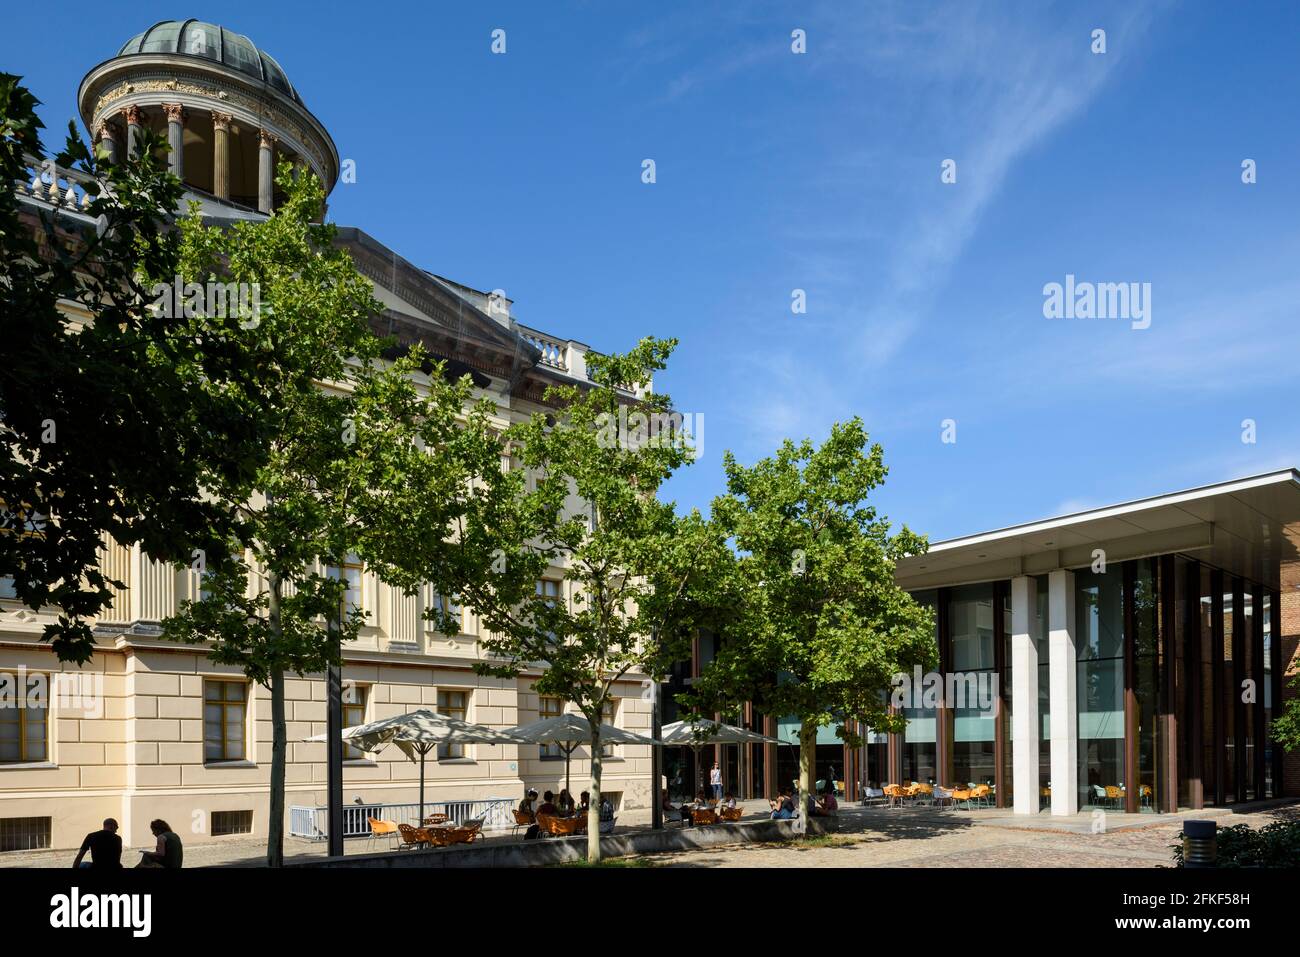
(807, 769)
(275, 817)
(593, 812)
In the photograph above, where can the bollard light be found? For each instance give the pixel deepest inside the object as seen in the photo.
(1200, 844)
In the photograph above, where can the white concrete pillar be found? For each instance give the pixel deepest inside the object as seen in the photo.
(1024, 697)
(1063, 691)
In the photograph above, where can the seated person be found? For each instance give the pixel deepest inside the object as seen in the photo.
(105, 847)
(547, 807)
(828, 806)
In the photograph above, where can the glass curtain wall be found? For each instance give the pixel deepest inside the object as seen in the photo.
(974, 666)
(1099, 643)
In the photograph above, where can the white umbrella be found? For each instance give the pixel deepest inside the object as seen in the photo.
(570, 731)
(695, 734)
(419, 732)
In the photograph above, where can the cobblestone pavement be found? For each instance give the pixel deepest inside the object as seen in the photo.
(873, 838)
(868, 837)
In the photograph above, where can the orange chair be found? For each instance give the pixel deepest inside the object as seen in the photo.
(413, 837)
(380, 829)
(523, 819)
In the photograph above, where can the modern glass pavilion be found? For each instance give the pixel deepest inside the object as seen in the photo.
(1155, 627)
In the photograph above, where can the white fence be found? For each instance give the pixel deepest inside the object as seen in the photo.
(313, 822)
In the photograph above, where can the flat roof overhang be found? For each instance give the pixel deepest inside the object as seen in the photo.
(1248, 527)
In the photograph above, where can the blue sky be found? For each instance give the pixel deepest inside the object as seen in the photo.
(821, 172)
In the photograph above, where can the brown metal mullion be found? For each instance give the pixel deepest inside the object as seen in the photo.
(999, 702)
(1194, 678)
(942, 732)
(1132, 786)
(1218, 771)
(1275, 656)
(1257, 675)
(1238, 676)
(1169, 683)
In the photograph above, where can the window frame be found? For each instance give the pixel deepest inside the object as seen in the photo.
(22, 722)
(225, 704)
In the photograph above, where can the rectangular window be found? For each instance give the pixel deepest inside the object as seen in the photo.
(232, 822)
(24, 833)
(548, 707)
(225, 714)
(354, 713)
(607, 715)
(24, 729)
(452, 612)
(353, 594)
(452, 704)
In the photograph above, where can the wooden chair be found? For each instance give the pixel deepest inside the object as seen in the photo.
(701, 816)
(380, 829)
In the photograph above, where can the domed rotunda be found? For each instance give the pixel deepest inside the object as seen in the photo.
(226, 107)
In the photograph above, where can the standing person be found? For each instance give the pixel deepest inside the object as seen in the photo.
(169, 852)
(715, 779)
(105, 847)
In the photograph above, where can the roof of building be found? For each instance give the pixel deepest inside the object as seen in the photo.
(211, 42)
(1248, 526)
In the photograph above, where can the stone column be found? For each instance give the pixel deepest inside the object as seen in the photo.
(265, 170)
(1024, 697)
(1062, 687)
(221, 155)
(133, 117)
(176, 138)
(108, 137)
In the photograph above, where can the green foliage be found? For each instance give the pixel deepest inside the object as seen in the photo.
(581, 505)
(1273, 845)
(823, 628)
(117, 425)
(1286, 726)
(364, 455)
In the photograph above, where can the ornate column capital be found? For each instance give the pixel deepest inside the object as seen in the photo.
(221, 121)
(133, 115)
(175, 112)
(266, 139)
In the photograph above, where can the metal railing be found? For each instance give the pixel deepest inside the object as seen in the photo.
(313, 822)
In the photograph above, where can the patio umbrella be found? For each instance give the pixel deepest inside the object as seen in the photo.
(570, 731)
(695, 734)
(418, 733)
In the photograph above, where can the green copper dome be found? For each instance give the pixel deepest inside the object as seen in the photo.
(211, 42)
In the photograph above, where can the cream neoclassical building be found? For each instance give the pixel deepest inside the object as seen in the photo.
(150, 728)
